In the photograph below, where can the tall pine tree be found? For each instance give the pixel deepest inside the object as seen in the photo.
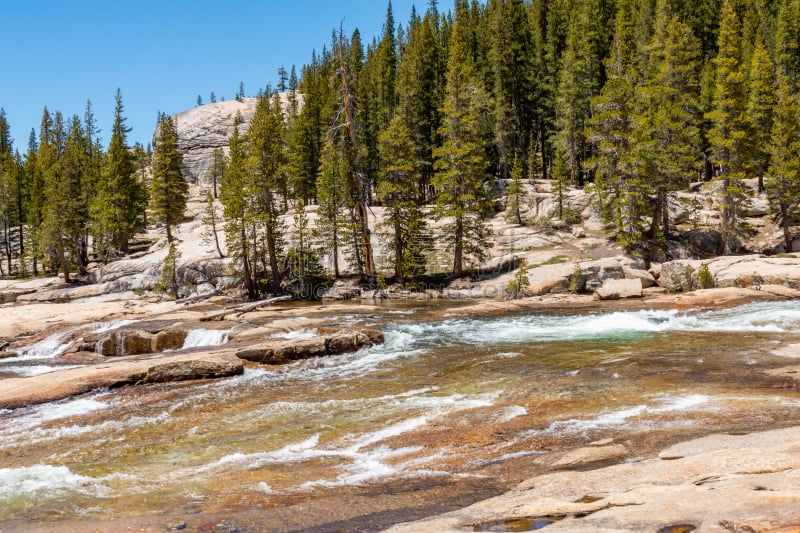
(729, 136)
(461, 161)
(169, 191)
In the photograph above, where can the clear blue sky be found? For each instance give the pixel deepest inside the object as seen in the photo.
(160, 53)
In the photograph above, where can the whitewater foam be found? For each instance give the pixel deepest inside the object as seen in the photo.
(197, 338)
(622, 417)
(43, 480)
(298, 334)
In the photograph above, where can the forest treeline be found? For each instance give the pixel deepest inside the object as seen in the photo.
(634, 100)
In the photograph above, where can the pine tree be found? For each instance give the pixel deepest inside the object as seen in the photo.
(216, 170)
(397, 189)
(618, 179)
(237, 212)
(668, 134)
(211, 221)
(729, 136)
(761, 101)
(572, 100)
(212, 98)
(333, 194)
(461, 162)
(169, 272)
(265, 141)
(420, 90)
(787, 41)
(301, 263)
(515, 193)
(511, 56)
(783, 181)
(7, 171)
(63, 219)
(169, 191)
(121, 198)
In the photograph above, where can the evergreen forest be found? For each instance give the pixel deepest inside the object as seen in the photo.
(633, 100)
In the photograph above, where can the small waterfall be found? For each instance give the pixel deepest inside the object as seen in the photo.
(205, 337)
(47, 348)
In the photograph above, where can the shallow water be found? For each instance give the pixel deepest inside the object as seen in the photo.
(443, 414)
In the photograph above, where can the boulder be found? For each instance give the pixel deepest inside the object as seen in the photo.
(330, 341)
(11, 295)
(171, 339)
(578, 232)
(646, 277)
(137, 342)
(615, 289)
(191, 368)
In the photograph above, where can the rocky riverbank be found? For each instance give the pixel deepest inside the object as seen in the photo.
(719, 483)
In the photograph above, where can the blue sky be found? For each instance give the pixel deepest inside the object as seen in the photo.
(160, 53)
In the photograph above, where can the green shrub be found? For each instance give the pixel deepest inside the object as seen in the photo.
(518, 286)
(574, 285)
(704, 277)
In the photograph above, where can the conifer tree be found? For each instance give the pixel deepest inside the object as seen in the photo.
(265, 141)
(7, 171)
(119, 203)
(668, 132)
(515, 193)
(211, 220)
(729, 136)
(787, 41)
(397, 189)
(169, 272)
(611, 130)
(333, 194)
(169, 191)
(421, 90)
(760, 104)
(461, 161)
(511, 56)
(572, 99)
(217, 170)
(63, 218)
(783, 182)
(301, 263)
(237, 208)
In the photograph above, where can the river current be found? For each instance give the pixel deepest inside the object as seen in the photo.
(446, 412)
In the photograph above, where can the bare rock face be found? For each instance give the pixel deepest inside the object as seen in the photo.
(204, 128)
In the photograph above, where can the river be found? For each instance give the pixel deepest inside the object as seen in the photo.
(448, 411)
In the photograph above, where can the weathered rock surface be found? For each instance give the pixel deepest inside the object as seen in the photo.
(18, 392)
(204, 128)
(585, 456)
(718, 483)
(330, 341)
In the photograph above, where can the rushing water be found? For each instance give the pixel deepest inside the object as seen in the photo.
(442, 414)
